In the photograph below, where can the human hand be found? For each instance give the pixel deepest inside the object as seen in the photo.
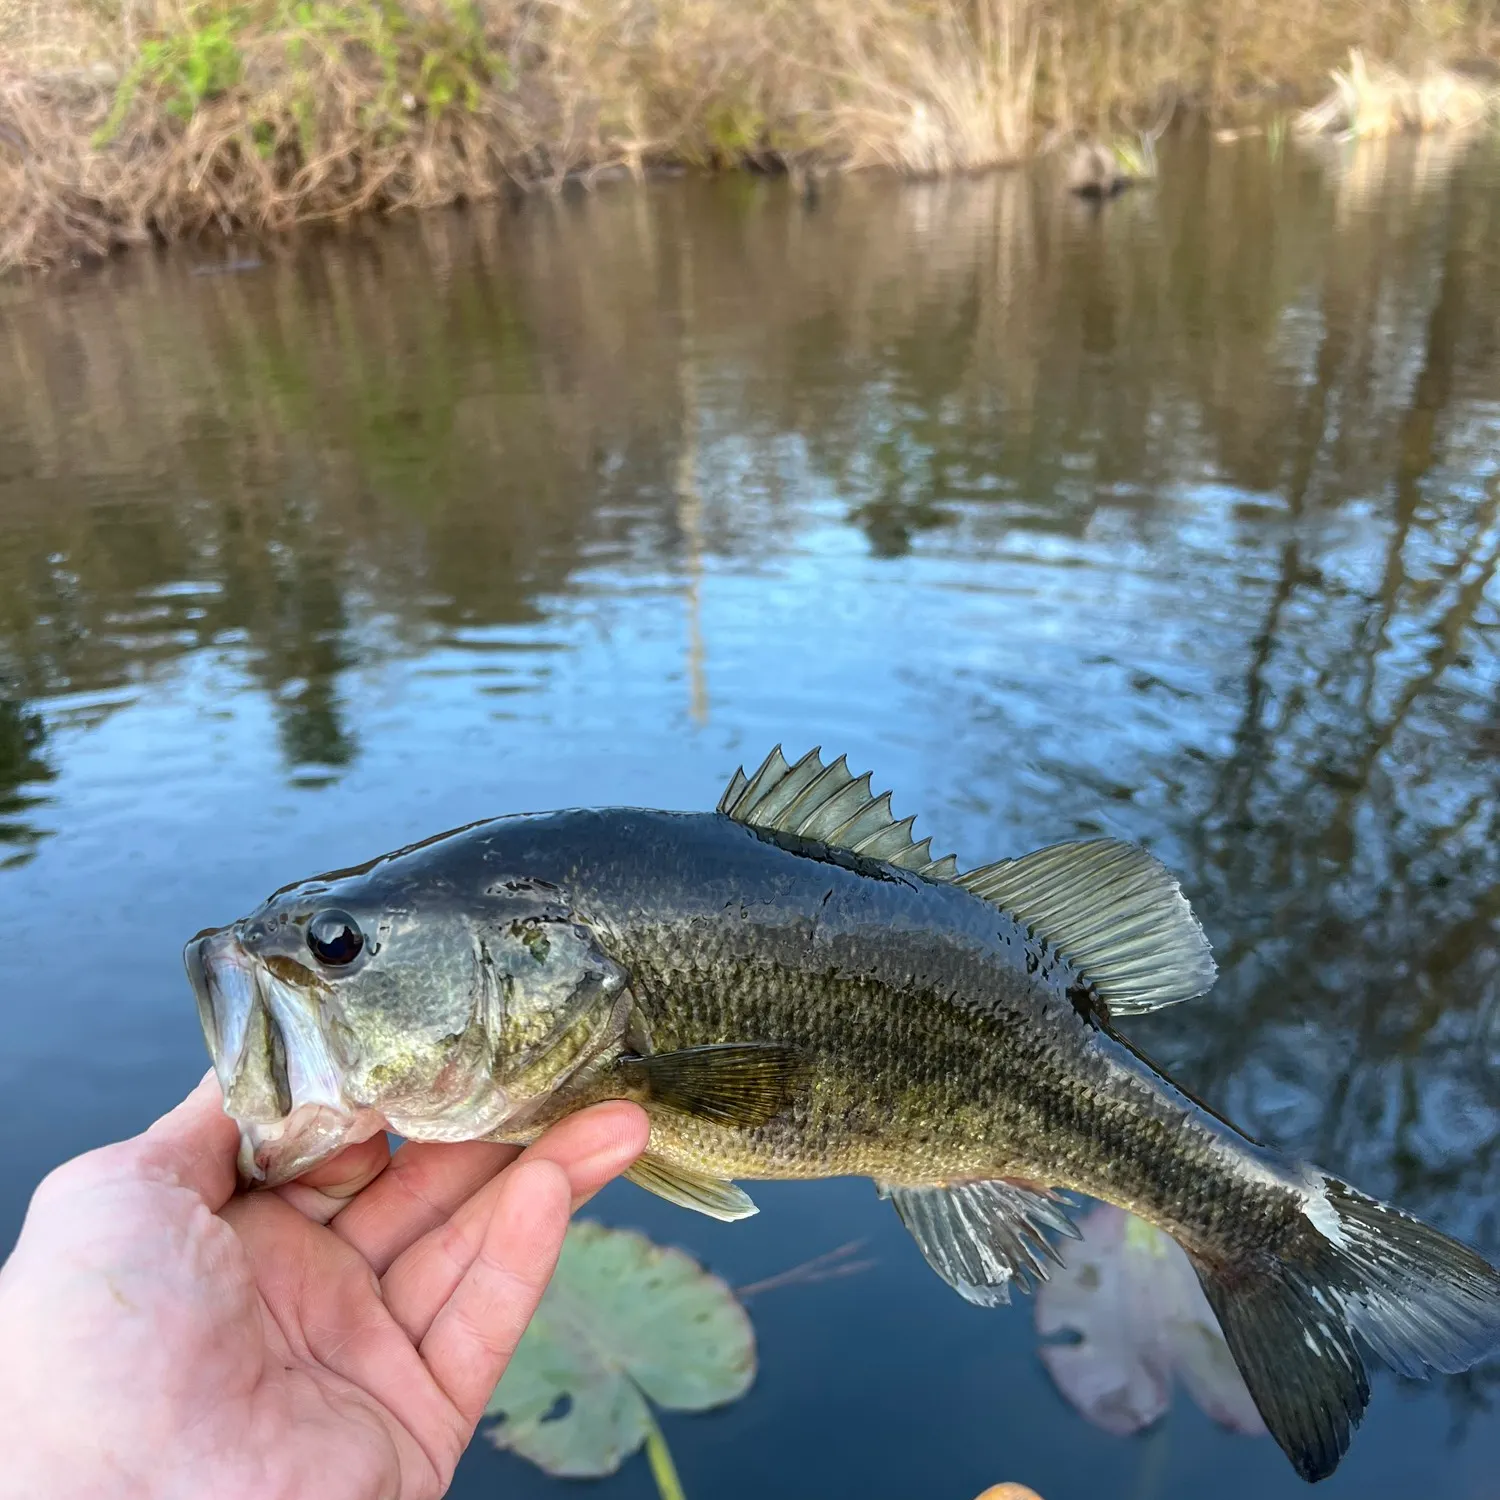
(338, 1337)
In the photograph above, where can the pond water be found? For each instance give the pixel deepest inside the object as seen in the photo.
(1178, 521)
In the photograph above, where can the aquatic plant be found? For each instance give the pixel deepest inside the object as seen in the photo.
(625, 1324)
(1141, 1323)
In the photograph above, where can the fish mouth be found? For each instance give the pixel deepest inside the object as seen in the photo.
(280, 1081)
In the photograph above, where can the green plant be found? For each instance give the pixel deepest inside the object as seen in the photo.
(625, 1323)
(735, 131)
(183, 68)
(1276, 136)
(1137, 159)
(456, 59)
(428, 62)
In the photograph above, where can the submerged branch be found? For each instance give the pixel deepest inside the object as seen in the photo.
(829, 1266)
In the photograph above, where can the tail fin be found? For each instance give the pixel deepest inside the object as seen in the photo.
(1355, 1275)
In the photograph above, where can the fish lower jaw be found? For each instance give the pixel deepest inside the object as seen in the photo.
(470, 1119)
(272, 1153)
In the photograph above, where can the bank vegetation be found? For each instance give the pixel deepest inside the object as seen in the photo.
(123, 121)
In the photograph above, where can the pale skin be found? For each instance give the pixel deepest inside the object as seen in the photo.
(163, 1336)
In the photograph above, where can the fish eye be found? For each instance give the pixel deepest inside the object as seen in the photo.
(334, 937)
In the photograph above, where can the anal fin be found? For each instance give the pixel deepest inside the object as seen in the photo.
(696, 1190)
(982, 1236)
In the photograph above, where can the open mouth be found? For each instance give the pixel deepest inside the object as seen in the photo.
(280, 1081)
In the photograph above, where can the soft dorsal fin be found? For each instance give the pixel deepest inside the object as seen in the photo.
(832, 805)
(1114, 912)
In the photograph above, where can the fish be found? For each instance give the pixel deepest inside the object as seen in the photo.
(794, 987)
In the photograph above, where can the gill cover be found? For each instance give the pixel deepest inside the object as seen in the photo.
(540, 975)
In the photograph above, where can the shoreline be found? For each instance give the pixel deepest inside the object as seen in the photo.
(188, 117)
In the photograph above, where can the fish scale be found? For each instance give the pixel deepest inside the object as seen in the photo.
(792, 986)
(913, 1002)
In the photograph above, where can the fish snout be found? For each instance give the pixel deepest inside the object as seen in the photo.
(244, 1039)
(281, 1083)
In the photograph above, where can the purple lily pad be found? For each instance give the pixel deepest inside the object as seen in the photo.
(1141, 1321)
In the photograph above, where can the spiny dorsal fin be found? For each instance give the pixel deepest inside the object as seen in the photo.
(1114, 912)
(832, 805)
(1111, 909)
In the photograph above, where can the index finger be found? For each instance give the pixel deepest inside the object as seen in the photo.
(425, 1185)
(590, 1147)
(420, 1189)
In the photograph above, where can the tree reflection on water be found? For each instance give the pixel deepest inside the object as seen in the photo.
(1230, 448)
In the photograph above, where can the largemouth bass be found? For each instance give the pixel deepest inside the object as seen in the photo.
(793, 987)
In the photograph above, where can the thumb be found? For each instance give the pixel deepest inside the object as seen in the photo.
(194, 1144)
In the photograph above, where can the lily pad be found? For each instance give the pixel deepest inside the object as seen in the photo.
(623, 1322)
(1130, 1295)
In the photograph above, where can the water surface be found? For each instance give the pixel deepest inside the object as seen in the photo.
(1178, 522)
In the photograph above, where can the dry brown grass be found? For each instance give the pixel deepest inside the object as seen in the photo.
(1375, 101)
(333, 107)
(317, 122)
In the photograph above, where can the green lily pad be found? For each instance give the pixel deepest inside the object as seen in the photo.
(624, 1321)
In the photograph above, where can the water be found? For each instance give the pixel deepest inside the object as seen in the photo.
(1179, 522)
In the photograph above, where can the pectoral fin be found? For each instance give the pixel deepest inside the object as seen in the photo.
(734, 1083)
(981, 1236)
(688, 1189)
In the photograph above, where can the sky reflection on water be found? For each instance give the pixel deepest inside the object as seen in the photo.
(1179, 522)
